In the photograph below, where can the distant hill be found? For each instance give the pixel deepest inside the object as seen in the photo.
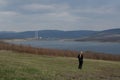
(80, 35)
(47, 34)
(106, 35)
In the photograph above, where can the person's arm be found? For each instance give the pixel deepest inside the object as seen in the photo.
(77, 56)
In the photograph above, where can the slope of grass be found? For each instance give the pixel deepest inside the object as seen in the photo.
(22, 66)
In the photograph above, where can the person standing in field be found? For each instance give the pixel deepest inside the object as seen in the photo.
(80, 59)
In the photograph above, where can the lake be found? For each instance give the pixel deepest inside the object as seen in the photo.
(105, 47)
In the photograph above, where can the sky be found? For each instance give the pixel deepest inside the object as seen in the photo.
(67, 15)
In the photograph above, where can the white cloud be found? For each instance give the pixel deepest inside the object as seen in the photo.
(63, 17)
(97, 10)
(7, 17)
(62, 7)
(62, 14)
(46, 8)
(3, 2)
(35, 7)
(58, 12)
(8, 13)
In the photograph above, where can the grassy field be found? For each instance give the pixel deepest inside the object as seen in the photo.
(22, 66)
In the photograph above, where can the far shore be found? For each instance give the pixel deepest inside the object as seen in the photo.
(33, 39)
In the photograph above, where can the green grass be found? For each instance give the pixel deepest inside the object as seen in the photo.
(21, 66)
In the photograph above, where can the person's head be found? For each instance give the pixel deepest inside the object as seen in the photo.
(81, 52)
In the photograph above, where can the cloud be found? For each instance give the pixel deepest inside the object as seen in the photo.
(38, 8)
(64, 17)
(97, 10)
(3, 2)
(35, 7)
(8, 13)
(56, 14)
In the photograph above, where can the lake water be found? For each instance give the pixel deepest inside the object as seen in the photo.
(106, 47)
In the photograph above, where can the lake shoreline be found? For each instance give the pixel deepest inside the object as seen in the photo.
(32, 39)
(56, 52)
(103, 47)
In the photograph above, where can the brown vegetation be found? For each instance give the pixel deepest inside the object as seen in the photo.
(54, 52)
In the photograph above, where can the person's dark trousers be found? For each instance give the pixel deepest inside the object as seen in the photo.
(80, 64)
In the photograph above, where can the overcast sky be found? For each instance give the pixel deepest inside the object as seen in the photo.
(24, 15)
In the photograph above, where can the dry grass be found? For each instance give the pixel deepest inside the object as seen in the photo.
(55, 52)
(17, 66)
